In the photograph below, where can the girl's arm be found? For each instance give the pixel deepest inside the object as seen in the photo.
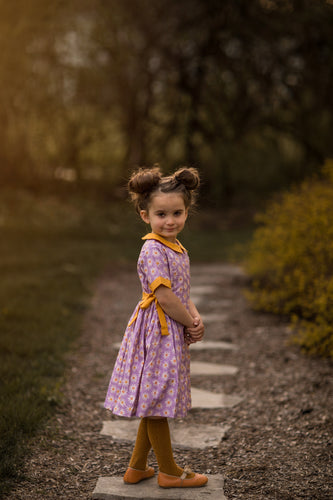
(193, 310)
(173, 307)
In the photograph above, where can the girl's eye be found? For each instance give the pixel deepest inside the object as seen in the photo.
(179, 212)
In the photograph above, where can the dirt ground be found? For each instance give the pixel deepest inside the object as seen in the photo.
(280, 441)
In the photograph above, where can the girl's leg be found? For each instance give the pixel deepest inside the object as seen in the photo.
(170, 475)
(138, 470)
(142, 447)
(159, 437)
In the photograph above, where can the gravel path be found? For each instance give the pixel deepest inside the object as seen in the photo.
(280, 441)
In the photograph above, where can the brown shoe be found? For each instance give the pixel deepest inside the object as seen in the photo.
(133, 476)
(167, 481)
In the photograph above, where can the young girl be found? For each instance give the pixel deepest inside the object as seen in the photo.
(151, 376)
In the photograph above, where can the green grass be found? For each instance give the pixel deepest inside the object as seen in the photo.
(51, 251)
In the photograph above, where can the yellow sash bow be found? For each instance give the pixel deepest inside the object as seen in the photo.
(147, 299)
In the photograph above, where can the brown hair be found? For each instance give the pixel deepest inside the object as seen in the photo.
(145, 182)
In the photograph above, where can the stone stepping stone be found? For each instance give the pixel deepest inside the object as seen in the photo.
(214, 318)
(182, 434)
(114, 488)
(199, 368)
(205, 399)
(211, 344)
(199, 291)
(202, 289)
(209, 272)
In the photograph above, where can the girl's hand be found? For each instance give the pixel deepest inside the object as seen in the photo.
(188, 339)
(196, 332)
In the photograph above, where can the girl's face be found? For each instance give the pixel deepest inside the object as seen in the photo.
(166, 215)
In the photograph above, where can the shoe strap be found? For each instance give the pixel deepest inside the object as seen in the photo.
(186, 471)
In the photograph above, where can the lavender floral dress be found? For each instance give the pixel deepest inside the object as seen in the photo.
(151, 376)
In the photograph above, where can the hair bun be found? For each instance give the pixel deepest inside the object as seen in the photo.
(189, 177)
(144, 180)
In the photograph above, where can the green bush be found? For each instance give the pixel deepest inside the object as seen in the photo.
(291, 262)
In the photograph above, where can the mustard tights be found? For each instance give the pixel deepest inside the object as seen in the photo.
(155, 433)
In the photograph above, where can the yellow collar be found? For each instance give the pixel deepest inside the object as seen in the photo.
(177, 247)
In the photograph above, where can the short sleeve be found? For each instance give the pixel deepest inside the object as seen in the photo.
(154, 265)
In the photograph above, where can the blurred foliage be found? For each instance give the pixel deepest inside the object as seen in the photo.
(291, 261)
(91, 88)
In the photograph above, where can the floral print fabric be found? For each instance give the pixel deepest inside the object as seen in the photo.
(151, 376)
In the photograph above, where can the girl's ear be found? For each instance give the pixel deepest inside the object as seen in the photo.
(144, 216)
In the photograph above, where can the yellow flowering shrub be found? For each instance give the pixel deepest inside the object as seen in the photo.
(291, 262)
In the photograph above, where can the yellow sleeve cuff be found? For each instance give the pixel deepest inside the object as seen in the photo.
(159, 281)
